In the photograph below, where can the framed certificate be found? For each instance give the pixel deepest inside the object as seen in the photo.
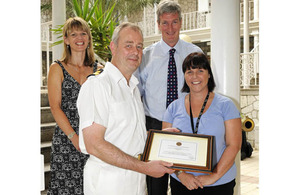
(188, 152)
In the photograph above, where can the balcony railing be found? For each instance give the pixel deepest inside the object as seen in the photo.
(249, 68)
(46, 41)
(190, 21)
(253, 11)
(148, 26)
(249, 64)
(195, 20)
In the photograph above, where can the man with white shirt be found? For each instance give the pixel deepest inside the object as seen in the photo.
(160, 60)
(112, 123)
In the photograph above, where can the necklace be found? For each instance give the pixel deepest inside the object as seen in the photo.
(195, 130)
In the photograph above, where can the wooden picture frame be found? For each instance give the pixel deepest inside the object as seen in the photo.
(187, 152)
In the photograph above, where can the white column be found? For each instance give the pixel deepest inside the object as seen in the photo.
(246, 78)
(42, 172)
(58, 18)
(155, 18)
(246, 26)
(144, 23)
(225, 54)
(203, 5)
(256, 10)
(256, 57)
(41, 68)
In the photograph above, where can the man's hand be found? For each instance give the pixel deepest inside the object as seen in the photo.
(158, 168)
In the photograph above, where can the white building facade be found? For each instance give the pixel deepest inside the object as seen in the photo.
(207, 23)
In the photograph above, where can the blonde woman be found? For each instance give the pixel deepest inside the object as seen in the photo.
(64, 82)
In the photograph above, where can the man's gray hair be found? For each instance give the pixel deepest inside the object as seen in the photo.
(168, 7)
(118, 29)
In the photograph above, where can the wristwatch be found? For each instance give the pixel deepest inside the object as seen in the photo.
(177, 173)
(71, 135)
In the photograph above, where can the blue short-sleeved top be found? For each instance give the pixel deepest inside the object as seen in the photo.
(211, 123)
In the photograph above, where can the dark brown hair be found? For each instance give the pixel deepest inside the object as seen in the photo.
(197, 60)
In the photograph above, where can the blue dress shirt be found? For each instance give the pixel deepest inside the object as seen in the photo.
(153, 73)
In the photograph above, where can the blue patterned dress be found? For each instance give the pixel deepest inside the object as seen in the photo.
(66, 162)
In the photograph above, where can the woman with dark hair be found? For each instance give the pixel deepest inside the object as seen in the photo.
(202, 111)
(64, 82)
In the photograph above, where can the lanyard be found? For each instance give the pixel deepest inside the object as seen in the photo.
(200, 114)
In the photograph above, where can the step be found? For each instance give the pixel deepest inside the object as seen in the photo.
(46, 115)
(47, 176)
(252, 81)
(47, 131)
(46, 151)
(47, 167)
(46, 144)
(44, 98)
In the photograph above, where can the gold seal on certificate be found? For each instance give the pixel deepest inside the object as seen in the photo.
(189, 152)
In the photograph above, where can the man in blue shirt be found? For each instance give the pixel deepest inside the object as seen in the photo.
(153, 75)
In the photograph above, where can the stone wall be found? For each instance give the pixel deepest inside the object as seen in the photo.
(46, 15)
(188, 5)
(138, 16)
(205, 46)
(249, 101)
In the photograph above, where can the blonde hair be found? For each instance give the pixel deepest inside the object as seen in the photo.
(78, 23)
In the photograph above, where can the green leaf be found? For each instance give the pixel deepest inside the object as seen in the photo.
(57, 43)
(99, 10)
(77, 8)
(92, 11)
(112, 27)
(108, 17)
(58, 29)
(85, 8)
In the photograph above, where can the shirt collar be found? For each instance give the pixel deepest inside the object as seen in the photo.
(165, 47)
(117, 76)
(112, 69)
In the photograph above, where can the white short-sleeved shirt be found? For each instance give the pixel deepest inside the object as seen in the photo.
(106, 99)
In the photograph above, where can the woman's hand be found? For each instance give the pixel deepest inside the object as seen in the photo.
(189, 181)
(171, 129)
(168, 127)
(233, 146)
(206, 180)
(75, 142)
